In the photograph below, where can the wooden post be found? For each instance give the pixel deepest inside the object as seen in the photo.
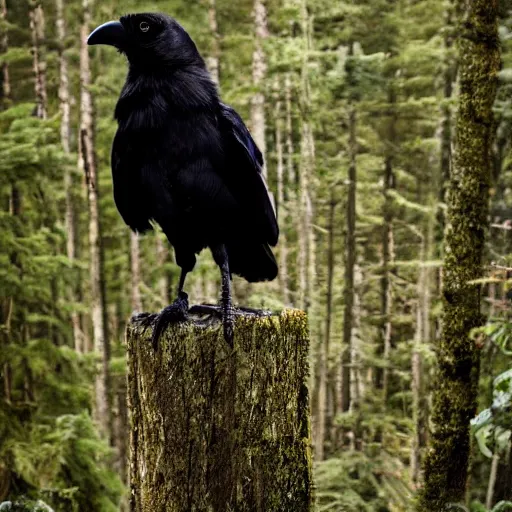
(215, 429)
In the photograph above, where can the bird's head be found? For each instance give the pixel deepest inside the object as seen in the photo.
(148, 40)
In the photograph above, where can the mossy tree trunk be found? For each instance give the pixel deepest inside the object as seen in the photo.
(454, 400)
(214, 429)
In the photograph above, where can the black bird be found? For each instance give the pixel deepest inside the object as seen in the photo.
(185, 160)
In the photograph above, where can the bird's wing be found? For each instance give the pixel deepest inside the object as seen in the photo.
(129, 193)
(243, 173)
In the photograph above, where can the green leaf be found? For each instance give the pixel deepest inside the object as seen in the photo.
(482, 437)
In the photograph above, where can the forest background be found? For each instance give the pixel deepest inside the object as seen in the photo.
(353, 104)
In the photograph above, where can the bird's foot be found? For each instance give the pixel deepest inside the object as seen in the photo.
(176, 312)
(144, 319)
(223, 313)
(227, 315)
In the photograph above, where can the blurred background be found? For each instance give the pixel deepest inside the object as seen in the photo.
(352, 103)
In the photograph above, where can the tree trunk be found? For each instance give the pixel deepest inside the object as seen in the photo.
(388, 247)
(163, 283)
(282, 209)
(259, 71)
(65, 126)
(350, 261)
(136, 300)
(445, 136)
(355, 361)
(446, 115)
(422, 335)
(454, 399)
(4, 46)
(121, 435)
(8, 310)
(323, 362)
(290, 191)
(214, 58)
(306, 240)
(65, 132)
(302, 236)
(39, 61)
(216, 429)
(36, 16)
(88, 161)
(290, 152)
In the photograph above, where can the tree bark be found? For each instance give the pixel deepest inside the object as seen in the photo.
(136, 299)
(163, 282)
(350, 261)
(455, 392)
(388, 246)
(88, 163)
(290, 191)
(445, 134)
(445, 137)
(259, 71)
(4, 46)
(282, 208)
(216, 429)
(306, 239)
(214, 58)
(356, 435)
(9, 305)
(65, 126)
(39, 61)
(321, 417)
(290, 151)
(422, 335)
(65, 132)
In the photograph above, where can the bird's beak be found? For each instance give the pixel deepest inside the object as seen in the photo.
(111, 33)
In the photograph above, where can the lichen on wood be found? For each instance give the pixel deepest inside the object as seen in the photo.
(216, 429)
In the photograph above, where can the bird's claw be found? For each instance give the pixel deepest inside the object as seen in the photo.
(216, 310)
(174, 313)
(223, 313)
(144, 319)
(228, 323)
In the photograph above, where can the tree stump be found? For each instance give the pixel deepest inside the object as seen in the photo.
(220, 429)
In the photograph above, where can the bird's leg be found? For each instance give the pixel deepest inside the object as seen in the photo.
(228, 313)
(176, 312)
(220, 256)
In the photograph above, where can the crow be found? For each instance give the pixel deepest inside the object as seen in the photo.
(184, 159)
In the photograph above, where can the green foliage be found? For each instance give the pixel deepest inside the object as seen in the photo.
(67, 462)
(361, 482)
(501, 506)
(25, 506)
(493, 426)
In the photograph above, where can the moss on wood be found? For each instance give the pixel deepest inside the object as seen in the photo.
(215, 429)
(454, 400)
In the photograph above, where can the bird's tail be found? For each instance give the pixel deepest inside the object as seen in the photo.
(252, 261)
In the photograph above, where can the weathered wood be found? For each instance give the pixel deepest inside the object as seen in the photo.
(215, 429)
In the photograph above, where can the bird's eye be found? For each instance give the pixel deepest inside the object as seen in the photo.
(144, 26)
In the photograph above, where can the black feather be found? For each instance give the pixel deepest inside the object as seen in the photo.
(186, 160)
